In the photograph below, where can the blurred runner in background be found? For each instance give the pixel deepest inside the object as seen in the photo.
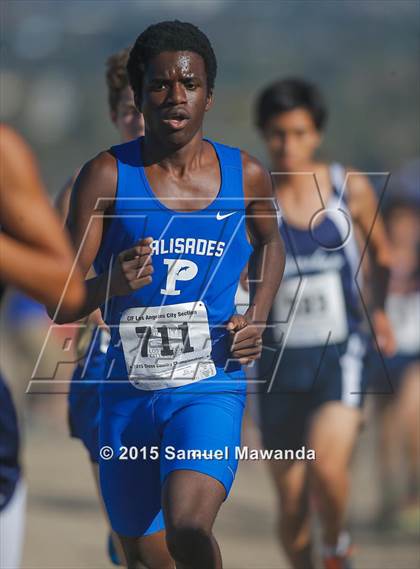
(37, 258)
(314, 352)
(93, 340)
(398, 404)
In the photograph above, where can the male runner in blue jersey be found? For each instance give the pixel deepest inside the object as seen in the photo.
(314, 395)
(172, 219)
(93, 339)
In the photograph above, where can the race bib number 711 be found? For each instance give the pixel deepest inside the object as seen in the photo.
(167, 343)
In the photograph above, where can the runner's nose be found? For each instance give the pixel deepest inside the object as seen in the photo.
(177, 93)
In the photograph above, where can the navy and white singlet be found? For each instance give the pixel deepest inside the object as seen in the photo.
(169, 378)
(10, 469)
(313, 349)
(318, 299)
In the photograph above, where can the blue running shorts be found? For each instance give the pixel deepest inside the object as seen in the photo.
(160, 427)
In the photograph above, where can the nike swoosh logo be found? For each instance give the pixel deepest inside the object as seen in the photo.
(220, 216)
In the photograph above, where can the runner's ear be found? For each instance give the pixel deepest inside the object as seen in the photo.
(210, 99)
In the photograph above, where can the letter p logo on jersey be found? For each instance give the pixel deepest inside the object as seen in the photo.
(178, 270)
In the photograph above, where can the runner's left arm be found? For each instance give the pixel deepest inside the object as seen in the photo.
(266, 264)
(363, 206)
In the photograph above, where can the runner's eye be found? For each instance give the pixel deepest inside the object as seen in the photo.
(158, 86)
(190, 85)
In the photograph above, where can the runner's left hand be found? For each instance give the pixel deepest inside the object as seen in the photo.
(246, 339)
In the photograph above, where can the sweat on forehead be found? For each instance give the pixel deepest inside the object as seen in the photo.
(184, 62)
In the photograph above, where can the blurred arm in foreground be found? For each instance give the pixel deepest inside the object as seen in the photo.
(35, 254)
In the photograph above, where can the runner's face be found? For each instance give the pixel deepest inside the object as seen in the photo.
(292, 139)
(404, 228)
(127, 119)
(175, 96)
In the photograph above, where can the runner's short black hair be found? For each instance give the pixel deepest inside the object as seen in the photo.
(169, 36)
(287, 95)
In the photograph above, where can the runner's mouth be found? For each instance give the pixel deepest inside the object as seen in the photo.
(176, 123)
(176, 119)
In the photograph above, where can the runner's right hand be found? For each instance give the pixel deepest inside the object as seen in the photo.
(133, 269)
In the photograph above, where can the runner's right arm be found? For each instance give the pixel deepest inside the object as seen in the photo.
(363, 206)
(62, 204)
(92, 196)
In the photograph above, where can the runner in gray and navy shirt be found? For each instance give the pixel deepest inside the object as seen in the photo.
(312, 363)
